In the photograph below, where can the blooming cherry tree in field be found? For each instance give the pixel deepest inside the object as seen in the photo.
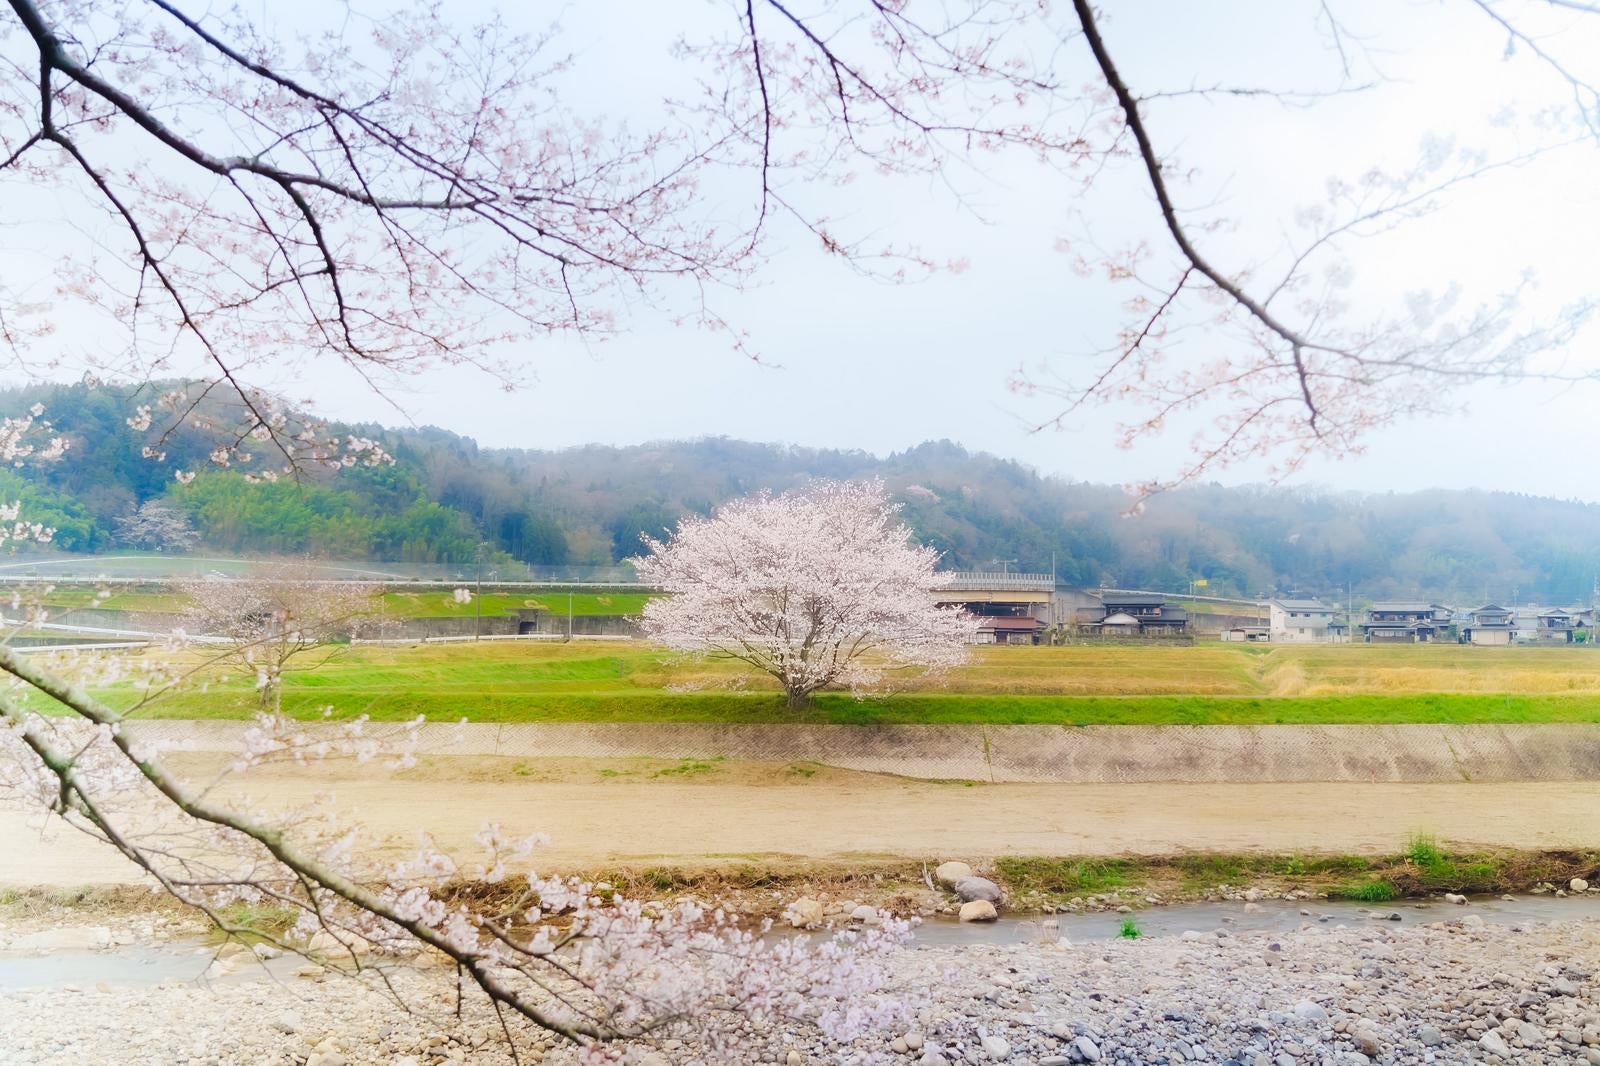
(269, 617)
(158, 527)
(819, 588)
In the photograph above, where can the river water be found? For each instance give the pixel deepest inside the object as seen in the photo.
(188, 960)
(1268, 916)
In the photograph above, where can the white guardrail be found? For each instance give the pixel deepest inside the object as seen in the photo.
(469, 638)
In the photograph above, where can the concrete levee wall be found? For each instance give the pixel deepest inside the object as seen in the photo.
(1038, 753)
(377, 626)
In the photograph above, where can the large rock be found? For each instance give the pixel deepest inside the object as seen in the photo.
(978, 910)
(1308, 1011)
(805, 913)
(1495, 1044)
(948, 873)
(998, 1048)
(971, 888)
(1578, 884)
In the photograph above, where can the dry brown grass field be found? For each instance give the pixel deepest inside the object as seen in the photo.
(1220, 669)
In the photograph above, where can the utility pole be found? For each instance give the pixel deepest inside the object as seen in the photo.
(477, 599)
(569, 617)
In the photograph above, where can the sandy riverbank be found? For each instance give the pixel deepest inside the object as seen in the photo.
(600, 811)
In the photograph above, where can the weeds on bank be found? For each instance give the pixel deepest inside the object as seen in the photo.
(1063, 876)
(1425, 852)
(1201, 872)
(1374, 891)
(1435, 870)
(691, 767)
(256, 921)
(1129, 930)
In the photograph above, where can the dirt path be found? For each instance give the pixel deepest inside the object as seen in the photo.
(690, 811)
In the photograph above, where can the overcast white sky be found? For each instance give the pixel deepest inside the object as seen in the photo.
(858, 364)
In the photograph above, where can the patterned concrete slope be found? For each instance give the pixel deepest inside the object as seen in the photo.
(1038, 753)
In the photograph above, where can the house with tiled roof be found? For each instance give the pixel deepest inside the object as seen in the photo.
(1405, 622)
(1490, 624)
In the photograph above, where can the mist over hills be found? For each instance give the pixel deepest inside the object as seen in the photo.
(446, 498)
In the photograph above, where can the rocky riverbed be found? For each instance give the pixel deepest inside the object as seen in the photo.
(1447, 989)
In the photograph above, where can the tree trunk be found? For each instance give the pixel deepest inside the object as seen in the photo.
(797, 699)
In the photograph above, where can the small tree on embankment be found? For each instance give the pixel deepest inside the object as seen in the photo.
(259, 622)
(820, 588)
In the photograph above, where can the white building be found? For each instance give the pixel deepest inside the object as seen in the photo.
(1302, 622)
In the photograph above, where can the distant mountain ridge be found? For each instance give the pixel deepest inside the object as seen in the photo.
(448, 500)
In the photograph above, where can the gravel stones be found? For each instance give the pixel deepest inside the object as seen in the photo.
(1420, 993)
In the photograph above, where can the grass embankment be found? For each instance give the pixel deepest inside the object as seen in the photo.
(438, 603)
(119, 599)
(435, 604)
(1031, 883)
(505, 682)
(1424, 868)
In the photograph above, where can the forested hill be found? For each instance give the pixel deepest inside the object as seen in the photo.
(446, 496)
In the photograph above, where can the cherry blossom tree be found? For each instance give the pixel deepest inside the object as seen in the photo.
(819, 588)
(401, 192)
(157, 526)
(552, 956)
(261, 621)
